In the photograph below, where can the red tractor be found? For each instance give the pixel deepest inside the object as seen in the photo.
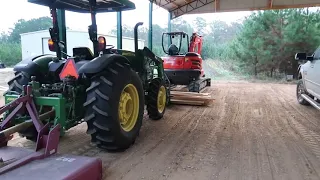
(183, 63)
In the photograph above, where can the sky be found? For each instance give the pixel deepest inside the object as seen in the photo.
(106, 21)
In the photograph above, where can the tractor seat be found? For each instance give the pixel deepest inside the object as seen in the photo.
(83, 53)
(173, 50)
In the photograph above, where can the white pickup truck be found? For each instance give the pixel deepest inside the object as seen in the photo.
(308, 88)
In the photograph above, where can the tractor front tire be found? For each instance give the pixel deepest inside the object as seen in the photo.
(156, 99)
(114, 107)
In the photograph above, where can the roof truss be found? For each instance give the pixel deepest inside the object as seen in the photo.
(181, 7)
(189, 7)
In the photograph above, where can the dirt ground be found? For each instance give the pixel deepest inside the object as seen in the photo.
(5, 75)
(252, 131)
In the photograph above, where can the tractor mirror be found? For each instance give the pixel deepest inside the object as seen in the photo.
(172, 36)
(184, 36)
(102, 43)
(51, 45)
(301, 56)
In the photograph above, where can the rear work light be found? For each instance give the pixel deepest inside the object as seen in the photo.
(69, 69)
(51, 45)
(101, 43)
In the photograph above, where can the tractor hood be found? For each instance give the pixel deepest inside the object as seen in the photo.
(82, 6)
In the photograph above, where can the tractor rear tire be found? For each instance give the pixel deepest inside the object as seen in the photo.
(156, 99)
(16, 84)
(114, 107)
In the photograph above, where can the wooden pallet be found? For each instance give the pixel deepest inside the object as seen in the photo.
(191, 98)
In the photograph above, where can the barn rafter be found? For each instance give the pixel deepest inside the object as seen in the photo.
(181, 7)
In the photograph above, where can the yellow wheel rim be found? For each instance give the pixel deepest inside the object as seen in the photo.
(128, 107)
(162, 98)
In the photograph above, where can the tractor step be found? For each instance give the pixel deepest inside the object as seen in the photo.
(199, 85)
(57, 166)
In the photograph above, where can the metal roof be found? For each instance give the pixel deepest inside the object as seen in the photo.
(83, 6)
(181, 7)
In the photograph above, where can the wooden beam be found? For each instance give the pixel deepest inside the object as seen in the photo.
(189, 7)
(175, 4)
(270, 3)
(217, 5)
(191, 98)
(163, 3)
(278, 7)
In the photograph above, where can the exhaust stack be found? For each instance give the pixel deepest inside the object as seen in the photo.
(136, 36)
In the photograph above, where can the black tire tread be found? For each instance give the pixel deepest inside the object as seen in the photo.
(98, 107)
(17, 82)
(151, 98)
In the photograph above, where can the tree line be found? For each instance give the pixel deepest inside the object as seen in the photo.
(10, 43)
(268, 40)
(263, 44)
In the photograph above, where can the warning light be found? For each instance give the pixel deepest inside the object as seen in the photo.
(69, 69)
(51, 45)
(102, 43)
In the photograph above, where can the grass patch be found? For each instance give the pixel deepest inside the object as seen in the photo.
(223, 70)
(232, 71)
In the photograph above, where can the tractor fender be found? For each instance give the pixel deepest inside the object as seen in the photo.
(54, 66)
(99, 63)
(34, 64)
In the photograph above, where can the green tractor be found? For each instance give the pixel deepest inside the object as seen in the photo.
(108, 88)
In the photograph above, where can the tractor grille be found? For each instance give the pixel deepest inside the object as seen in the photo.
(195, 64)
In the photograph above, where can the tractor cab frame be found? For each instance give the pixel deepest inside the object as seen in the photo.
(174, 49)
(57, 42)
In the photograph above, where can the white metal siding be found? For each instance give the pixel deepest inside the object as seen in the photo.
(32, 43)
(36, 43)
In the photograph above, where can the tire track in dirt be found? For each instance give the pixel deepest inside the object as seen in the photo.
(309, 136)
(293, 139)
(183, 124)
(307, 112)
(251, 131)
(225, 137)
(203, 140)
(253, 138)
(267, 163)
(213, 137)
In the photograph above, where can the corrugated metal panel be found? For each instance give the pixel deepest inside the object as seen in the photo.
(181, 7)
(83, 6)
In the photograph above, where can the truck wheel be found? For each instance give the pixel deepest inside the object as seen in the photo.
(156, 99)
(114, 107)
(301, 90)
